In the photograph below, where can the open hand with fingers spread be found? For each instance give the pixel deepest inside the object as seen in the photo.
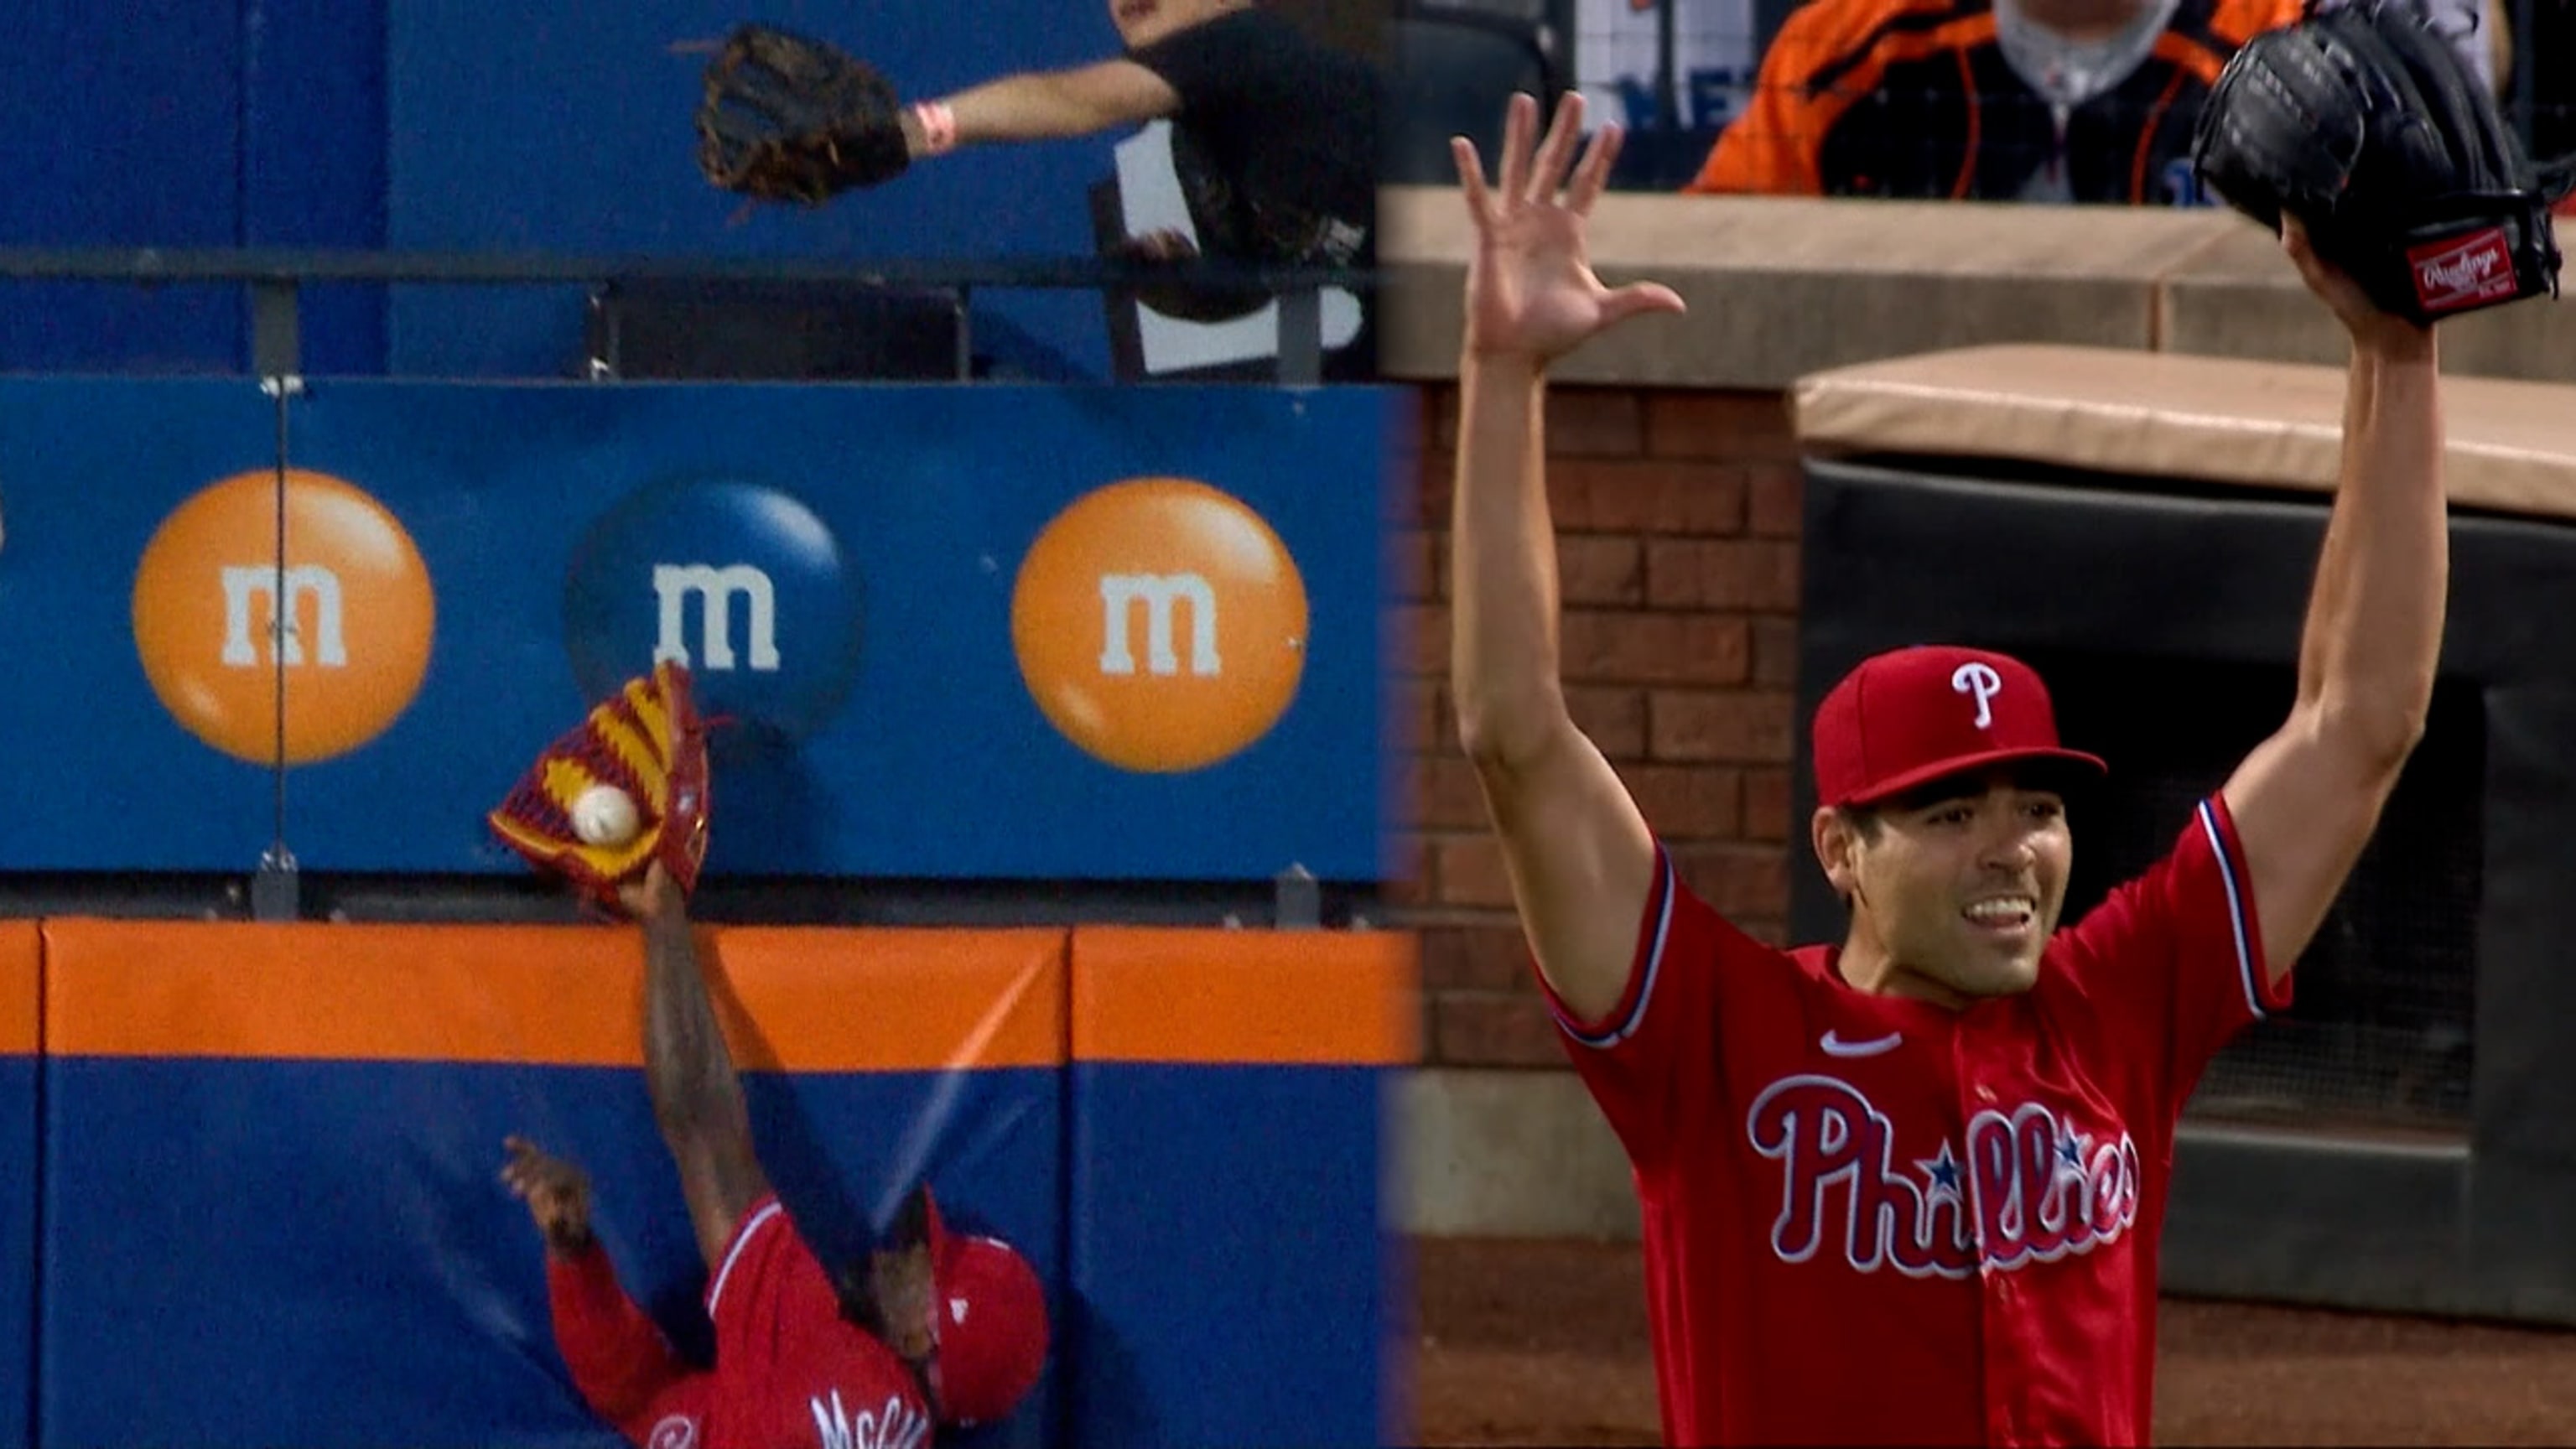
(556, 1191)
(1531, 292)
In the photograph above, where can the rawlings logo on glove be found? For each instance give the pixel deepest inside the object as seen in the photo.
(2452, 275)
(645, 744)
(2361, 121)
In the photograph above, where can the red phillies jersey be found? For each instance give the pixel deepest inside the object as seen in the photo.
(790, 1372)
(1871, 1219)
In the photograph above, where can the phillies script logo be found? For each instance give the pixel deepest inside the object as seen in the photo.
(2031, 1187)
(2452, 275)
(896, 1426)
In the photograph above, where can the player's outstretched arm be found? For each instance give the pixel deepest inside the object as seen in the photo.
(1580, 855)
(2307, 799)
(1040, 106)
(697, 1098)
(619, 1359)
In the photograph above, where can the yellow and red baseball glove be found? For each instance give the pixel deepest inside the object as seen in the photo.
(646, 741)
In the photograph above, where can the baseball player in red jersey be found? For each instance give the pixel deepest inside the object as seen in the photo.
(940, 1328)
(1907, 1188)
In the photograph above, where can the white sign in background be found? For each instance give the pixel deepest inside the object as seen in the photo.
(1149, 199)
(1615, 54)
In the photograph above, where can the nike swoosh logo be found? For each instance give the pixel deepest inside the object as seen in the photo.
(1835, 1046)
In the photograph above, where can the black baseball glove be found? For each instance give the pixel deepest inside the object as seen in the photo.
(2362, 122)
(789, 118)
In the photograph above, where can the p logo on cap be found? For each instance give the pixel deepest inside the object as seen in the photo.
(1978, 678)
(1911, 716)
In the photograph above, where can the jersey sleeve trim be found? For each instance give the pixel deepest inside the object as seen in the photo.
(752, 1222)
(1653, 928)
(2240, 905)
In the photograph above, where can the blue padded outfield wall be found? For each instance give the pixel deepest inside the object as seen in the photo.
(270, 1155)
(273, 1156)
(1263, 1086)
(486, 126)
(989, 632)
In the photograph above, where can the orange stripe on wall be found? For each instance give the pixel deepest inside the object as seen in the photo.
(21, 958)
(1311, 997)
(839, 999)
(806, 999)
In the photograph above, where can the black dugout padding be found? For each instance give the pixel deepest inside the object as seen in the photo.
(2405, 1137)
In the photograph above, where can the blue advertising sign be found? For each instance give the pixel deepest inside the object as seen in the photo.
(104, 777)
(951, 632)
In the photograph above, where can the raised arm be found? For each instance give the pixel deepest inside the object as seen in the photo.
(697, 1098)
(2306, 800)
(619, 1359)
(1580, 855)
(1040, 106)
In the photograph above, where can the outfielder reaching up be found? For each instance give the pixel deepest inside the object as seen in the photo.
(1908, 1187)
(934, 1328)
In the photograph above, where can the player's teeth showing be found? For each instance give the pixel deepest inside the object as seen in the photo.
(2005, 912)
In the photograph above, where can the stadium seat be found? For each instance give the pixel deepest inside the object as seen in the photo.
(1459, 67)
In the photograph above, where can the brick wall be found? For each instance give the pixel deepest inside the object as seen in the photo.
(1677, 521)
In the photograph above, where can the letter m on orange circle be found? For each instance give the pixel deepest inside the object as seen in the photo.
(1160, 625)
(346, 616)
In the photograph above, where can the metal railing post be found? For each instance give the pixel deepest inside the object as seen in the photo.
(1299, 900)
(1301, 335)
(275, 343)
(275, 355)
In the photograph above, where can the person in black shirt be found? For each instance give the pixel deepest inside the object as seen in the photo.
(1274, 133)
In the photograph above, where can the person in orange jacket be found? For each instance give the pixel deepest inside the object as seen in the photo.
(1990, 100)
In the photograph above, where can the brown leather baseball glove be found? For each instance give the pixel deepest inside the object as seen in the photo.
(790, 118)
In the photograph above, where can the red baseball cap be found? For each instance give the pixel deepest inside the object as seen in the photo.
(991, 1323)
(1912, 716)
